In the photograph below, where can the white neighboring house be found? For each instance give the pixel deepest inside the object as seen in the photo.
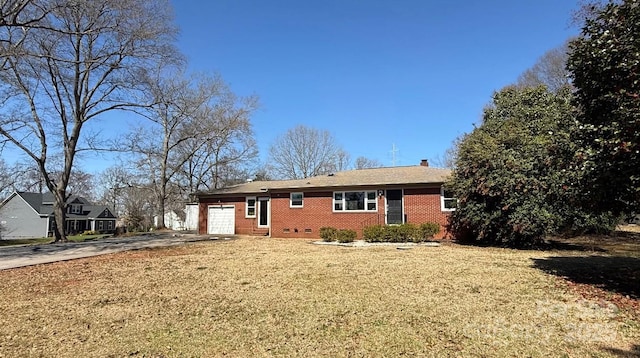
(187, 221)
(191, 219)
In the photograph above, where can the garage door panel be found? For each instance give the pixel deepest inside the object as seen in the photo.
(221, 220)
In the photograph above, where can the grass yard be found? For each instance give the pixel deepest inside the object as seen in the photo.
(272, 297)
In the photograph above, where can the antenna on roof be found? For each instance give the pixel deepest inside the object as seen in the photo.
(393, 154)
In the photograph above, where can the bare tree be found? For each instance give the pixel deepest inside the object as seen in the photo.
(138, 207)
(450, 156)
(111, 186)
(261, 174)
(81, 184)
(342, 160)
(68, 63)
(176, 104)
(28, 177)
(7, 180)
(303, 152)
(549, 70)
(365, 163)
(226, 148)
(197, 128)
(130, 195)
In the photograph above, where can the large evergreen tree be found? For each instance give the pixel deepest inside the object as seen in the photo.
(515, 177)
(605, 65)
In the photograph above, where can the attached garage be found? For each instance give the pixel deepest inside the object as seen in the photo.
(221, 220)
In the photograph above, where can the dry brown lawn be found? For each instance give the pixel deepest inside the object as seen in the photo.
(271, 297)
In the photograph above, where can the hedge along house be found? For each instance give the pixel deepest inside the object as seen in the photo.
(344, 200)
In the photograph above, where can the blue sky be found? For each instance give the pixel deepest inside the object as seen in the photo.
(414, 74)
(375, 73)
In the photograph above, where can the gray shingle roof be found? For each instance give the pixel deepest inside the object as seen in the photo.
(350, 178)
(33, 199)
(97, 211)
(36, 201)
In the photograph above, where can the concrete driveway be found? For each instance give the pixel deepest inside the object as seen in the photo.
(19, 256)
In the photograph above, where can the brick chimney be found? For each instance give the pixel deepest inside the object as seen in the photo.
(424, 163)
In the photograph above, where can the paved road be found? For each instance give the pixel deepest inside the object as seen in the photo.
(18, 256)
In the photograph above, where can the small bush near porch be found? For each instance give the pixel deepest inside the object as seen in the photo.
(329, 234)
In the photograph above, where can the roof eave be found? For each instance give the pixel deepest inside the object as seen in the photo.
(310, 187)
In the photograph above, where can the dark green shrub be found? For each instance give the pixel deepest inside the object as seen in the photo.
(400, 233)
(426, 231)
(373, 233)
(346, 235)
(406, 232)
(390, 233)
(513, 176)
(328, 234)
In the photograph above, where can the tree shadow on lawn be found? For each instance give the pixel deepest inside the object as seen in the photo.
(617, 274)
(552, 244)
(634, 352)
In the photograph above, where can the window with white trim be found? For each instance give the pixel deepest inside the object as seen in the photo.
(250, 207)
(296, 200)
(109, 225)
(76, 209)
(100, 224)
(448, 202)
(355, 201)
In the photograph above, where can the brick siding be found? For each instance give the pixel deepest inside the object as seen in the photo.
(420, 205)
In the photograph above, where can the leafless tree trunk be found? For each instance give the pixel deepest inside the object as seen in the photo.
(303, 152)
(66, 62)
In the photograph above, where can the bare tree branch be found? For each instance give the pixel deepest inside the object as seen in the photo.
(304, 152)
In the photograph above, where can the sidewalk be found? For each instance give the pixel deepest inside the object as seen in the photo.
(19, 256)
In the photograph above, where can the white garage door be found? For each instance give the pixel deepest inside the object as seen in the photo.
(221, 220)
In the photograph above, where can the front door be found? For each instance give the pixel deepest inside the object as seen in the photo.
(263, 212)
(394, 207)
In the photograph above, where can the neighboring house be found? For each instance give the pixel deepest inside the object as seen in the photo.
(30, 215)
(345, 200)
